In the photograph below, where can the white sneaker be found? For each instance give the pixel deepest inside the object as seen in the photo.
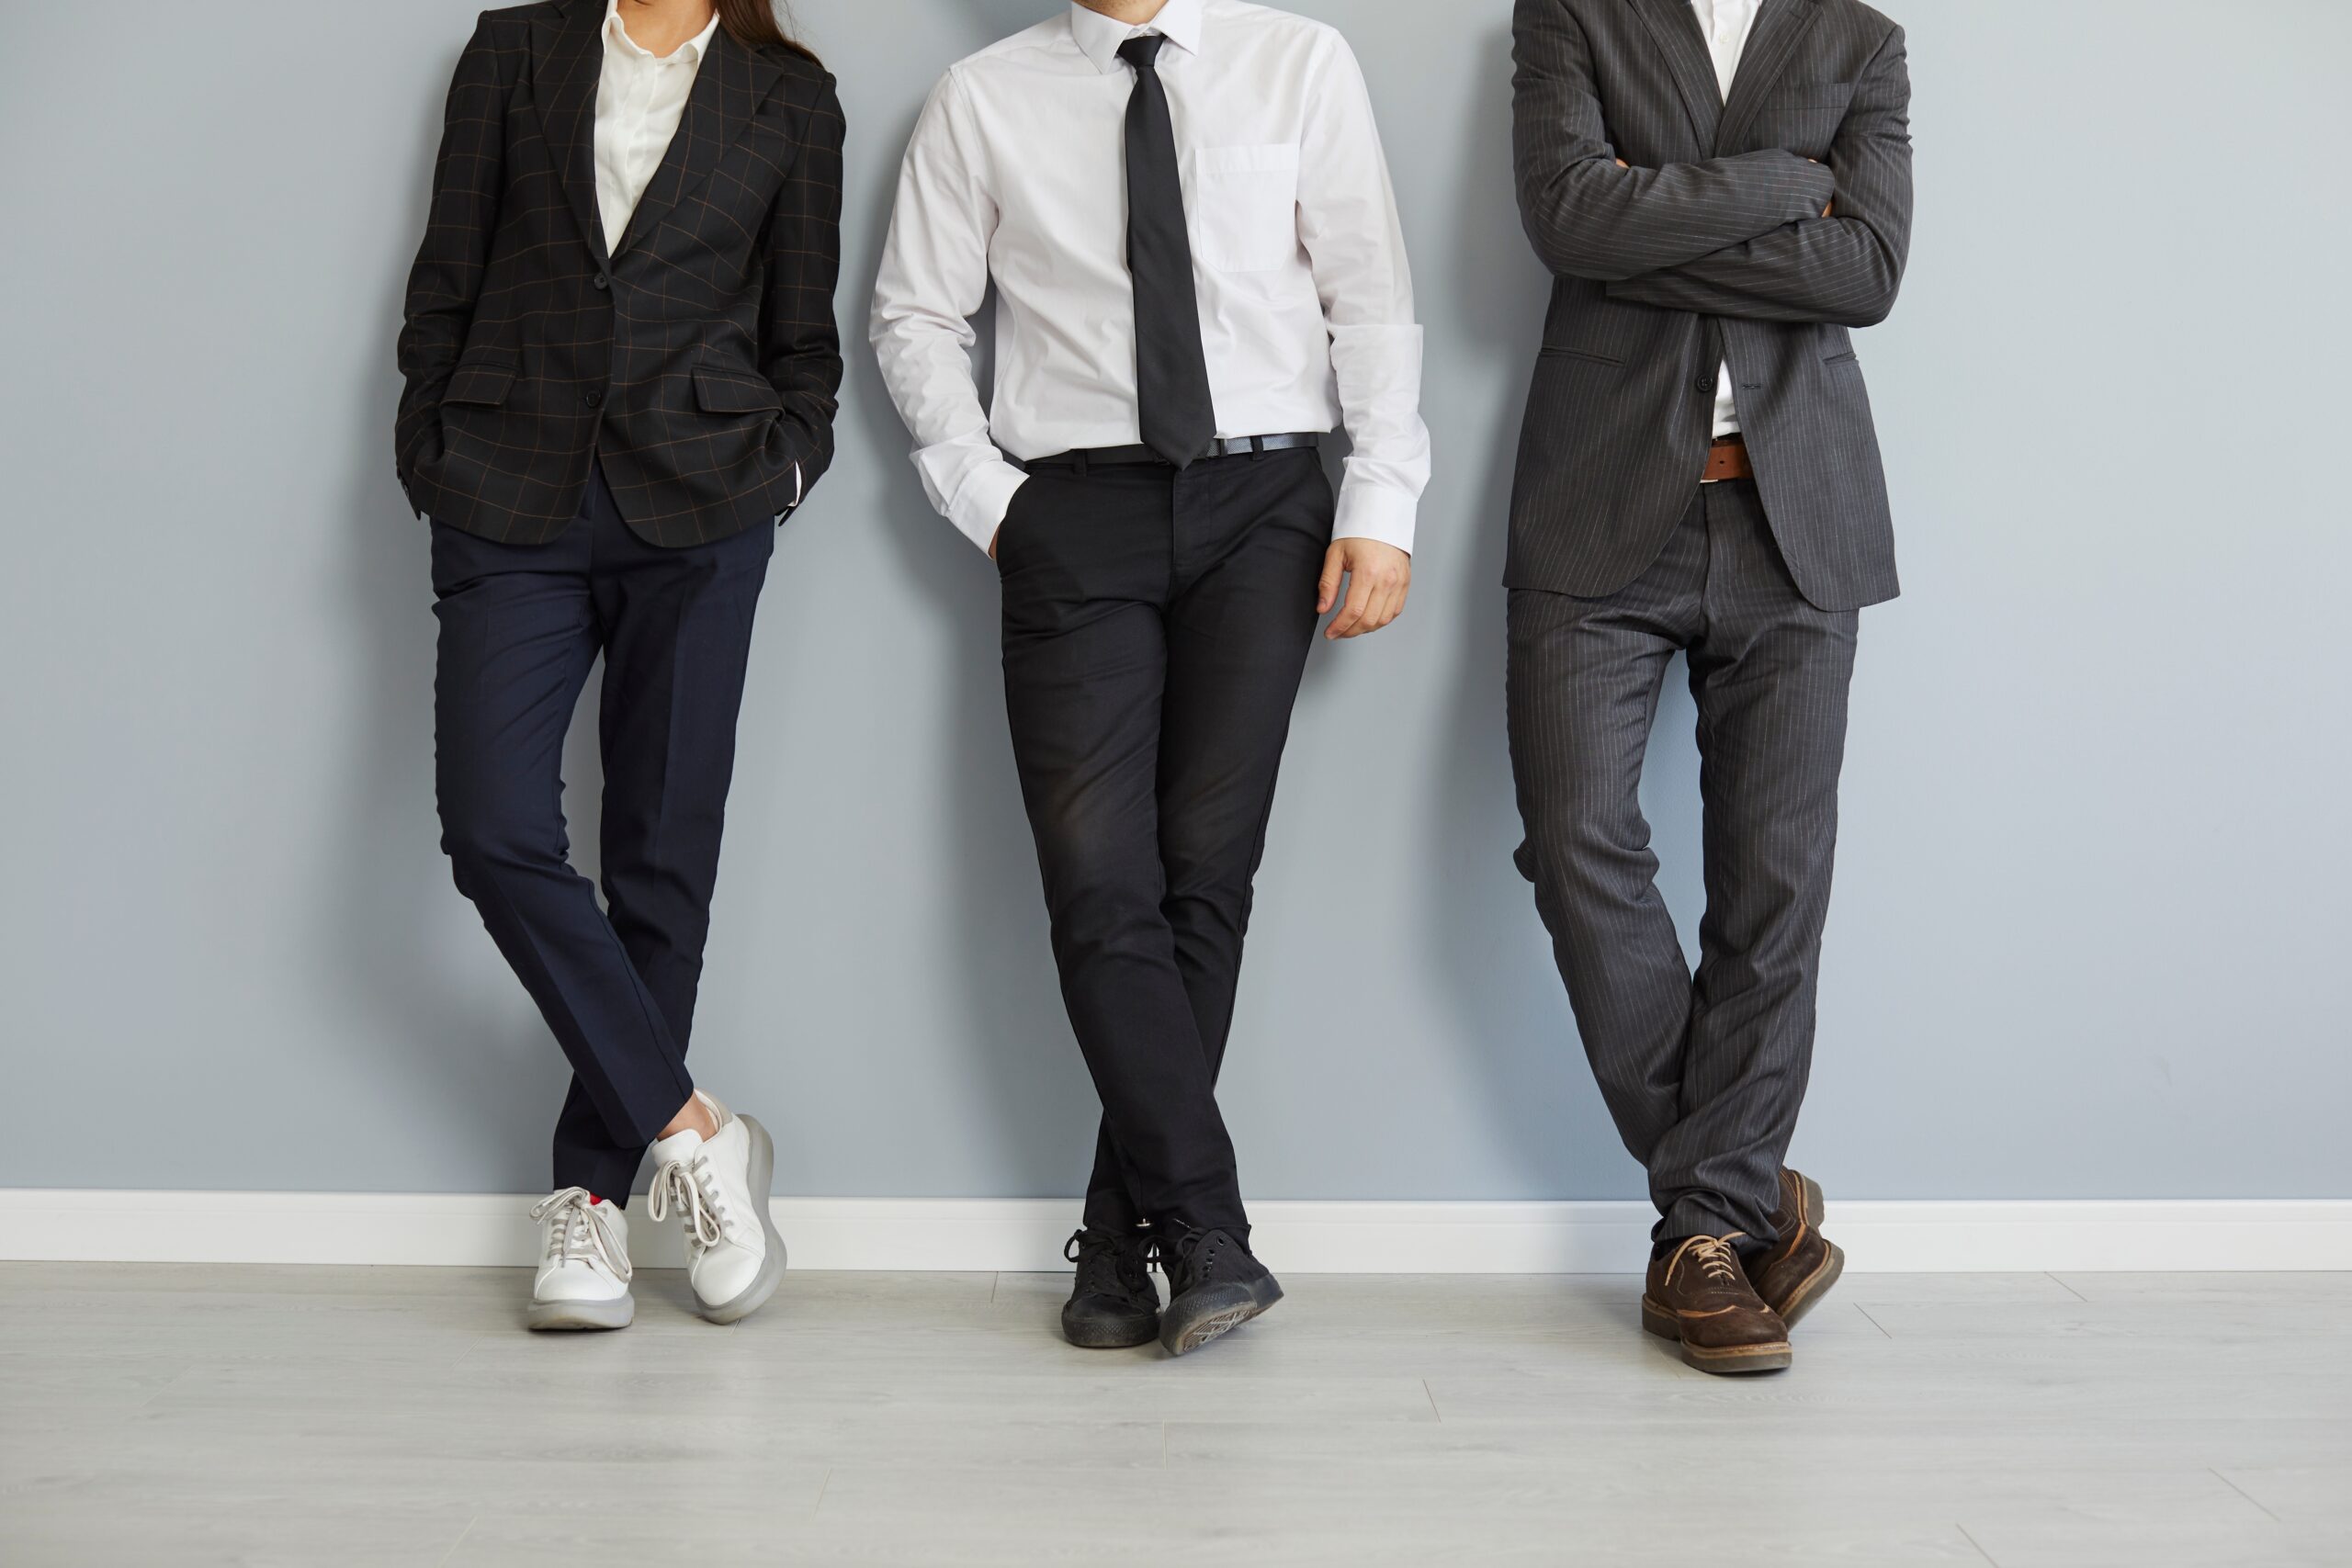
(583, 1270)
(720, 1187)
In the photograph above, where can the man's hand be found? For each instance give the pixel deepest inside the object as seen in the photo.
(1379, 576)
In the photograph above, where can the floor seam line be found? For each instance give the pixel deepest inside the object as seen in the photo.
(823, 1487)
(1430, 1394)
(2244, 1494)
(2062, 1284)
(471, 1523)
(1872, 1321)
(1975, 1542)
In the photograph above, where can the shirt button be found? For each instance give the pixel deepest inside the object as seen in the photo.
(604, 280)
(595, 399)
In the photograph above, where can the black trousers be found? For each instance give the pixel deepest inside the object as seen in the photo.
(1704, 1075)
(1156, 627)
(521, 627)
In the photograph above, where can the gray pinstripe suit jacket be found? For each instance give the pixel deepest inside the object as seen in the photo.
(1712, 246)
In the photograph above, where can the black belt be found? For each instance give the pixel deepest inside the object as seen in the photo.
(1144, 456)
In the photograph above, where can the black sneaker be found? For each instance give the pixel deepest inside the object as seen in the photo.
(1214, 1286)
(1114, 1305)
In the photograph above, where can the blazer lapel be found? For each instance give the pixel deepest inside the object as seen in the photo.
(570, 62)
(729, 89)
(1780, 26)
(1675, 30)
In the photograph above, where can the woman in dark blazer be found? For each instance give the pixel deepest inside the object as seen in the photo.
(621, 368)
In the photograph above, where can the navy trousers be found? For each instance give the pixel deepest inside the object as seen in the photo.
(521, 628)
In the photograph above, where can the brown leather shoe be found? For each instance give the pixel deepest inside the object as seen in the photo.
(1700, 1295)
(1799, 1271)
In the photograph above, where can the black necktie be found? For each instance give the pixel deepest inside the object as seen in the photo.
(1172, 369)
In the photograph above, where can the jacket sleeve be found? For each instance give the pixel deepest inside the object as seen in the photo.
(1590, 218)
(800, 342)
(1843, 270)
(446, 280)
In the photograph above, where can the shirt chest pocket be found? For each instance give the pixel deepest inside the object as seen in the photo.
(1244, 205)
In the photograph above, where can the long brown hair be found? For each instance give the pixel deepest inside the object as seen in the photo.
(753, 23)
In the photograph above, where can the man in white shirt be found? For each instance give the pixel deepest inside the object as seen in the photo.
(1186, 214)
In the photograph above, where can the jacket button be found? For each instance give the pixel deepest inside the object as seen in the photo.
(595, 399)
(604, 280)
(1705, 386)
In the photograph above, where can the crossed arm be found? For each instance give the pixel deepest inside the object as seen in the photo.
(1843, 269)
(1591, 217)
(1748, 236)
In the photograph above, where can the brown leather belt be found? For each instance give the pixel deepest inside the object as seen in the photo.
(1728, 459)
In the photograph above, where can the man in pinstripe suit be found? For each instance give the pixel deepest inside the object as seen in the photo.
(1722, 189)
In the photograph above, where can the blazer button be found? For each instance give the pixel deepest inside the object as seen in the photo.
(1705, 386)
(604, 280)
(595, 399)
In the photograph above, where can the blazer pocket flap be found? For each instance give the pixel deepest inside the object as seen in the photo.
(720, 391)
(1589, 357)
(483, 380)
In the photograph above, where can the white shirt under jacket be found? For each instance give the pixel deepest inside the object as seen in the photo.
(640, 98)
(1727, 24)
(1017, 172)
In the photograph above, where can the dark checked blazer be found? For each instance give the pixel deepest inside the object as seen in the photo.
(1711, 246)
(701, 361)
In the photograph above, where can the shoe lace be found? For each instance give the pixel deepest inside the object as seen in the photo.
(1196, 1252)
(580, 1234)
(1717, 1258)
(689, 1185)
(1102, 1262)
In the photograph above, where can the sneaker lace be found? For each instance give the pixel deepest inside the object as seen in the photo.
(1102, 1270)
(691, 1187)
(1196, 1252)
(580, 1234)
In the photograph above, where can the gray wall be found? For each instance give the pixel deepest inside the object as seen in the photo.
(2090, 926)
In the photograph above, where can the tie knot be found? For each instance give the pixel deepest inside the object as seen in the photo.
(1142, 53)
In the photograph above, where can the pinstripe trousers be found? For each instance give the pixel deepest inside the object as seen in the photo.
(1703, 1074)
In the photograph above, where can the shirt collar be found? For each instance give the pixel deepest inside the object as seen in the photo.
(1181, 21)
(616, 35)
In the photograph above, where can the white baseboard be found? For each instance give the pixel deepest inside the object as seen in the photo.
(1022, 1235)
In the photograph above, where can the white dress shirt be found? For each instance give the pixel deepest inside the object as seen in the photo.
(640, 97)
(1017, 172)
(1727, 24)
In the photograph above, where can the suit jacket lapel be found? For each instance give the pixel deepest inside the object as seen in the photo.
(1780, 28)
(1676, 28)
(729, 89)
(570, 62)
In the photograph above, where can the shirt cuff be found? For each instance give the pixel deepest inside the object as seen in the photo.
(983, 499)
(1372, 512)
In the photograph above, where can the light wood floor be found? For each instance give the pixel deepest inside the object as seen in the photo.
(164, 1417)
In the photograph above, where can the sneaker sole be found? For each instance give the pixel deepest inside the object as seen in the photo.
(1736, 1361)
(1217, 1314)
(568, 1317)
(756, 1295)
(1111, 1335)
